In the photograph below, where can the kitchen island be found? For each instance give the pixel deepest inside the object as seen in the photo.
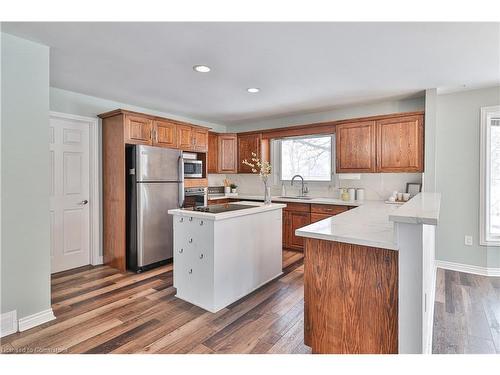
(223, 255)
(369, 278)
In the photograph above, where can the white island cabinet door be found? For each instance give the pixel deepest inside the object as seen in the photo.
(202, 263)
(193, 261)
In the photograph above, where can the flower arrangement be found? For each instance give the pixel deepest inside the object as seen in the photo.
(264, 169)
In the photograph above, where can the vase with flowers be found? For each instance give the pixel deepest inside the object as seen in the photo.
(263, 168)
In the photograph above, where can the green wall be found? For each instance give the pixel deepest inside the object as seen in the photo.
(25, 252)
(457, 176)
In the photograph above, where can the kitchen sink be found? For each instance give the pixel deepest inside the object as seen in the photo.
(297, 197)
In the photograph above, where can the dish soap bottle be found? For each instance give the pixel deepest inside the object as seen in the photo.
(345, 195)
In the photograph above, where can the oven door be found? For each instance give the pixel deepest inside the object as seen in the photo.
(193, 168)
(195, 199)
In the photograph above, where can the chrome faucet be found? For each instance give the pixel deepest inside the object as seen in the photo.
(304, 190)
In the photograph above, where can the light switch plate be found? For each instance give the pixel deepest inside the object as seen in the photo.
(468, 240)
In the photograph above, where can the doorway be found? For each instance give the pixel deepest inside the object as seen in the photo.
(73, 192)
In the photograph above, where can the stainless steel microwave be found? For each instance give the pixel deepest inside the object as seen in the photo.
(193, 168)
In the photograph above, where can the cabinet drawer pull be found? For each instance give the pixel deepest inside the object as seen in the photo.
(181, 251)
(190, 219)
(201, 222)
(190, 240)
(190, 271)
(201, 256)
(181, 220)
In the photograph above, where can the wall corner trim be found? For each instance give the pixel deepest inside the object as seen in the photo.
(36, 319)
(476, 270)
(8, 323)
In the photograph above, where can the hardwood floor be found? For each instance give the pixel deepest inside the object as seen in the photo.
(100, 310)
(466, 313)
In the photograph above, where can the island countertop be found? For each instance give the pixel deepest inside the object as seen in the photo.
(367, 225)
(258, 207)
(372, 224)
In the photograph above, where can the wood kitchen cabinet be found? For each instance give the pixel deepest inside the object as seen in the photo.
(164, 134)
(213, 153)
(138, 130)
(400, 144)
(295, 215)
(389, 144)
(248, 143)
(200, 139)
(185, 137)
(228, 153)
(356, 147)
(192, 138)
(222, 153)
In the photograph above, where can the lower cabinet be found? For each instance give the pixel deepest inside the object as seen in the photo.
(295, 216)
(298, 215)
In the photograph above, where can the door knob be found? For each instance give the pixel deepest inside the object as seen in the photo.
(84, 202)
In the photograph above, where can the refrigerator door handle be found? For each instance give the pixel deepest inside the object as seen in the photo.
(181, 183)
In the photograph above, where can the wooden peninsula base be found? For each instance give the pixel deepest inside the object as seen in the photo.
(350, 298)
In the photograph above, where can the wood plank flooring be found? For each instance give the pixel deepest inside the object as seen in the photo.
(100, 310)
(466, 313)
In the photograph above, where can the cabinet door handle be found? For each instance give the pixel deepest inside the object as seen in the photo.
(190, 240)
(181, 220)
(190, 219)
(190, 271)
(201, 256)
(201, 222)
(181, 251)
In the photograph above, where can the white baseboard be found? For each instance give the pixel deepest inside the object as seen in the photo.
(34, 320)
(8, 323)
(476, 270)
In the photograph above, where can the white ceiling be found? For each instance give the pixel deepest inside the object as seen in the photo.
(300, 67)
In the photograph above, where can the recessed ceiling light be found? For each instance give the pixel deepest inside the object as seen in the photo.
(201, 68)
(253, 90)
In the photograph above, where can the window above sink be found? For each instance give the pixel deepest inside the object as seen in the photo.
(310, 156)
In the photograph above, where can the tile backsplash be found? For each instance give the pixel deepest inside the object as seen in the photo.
(378, 186)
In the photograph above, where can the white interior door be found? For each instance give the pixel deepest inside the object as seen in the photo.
(69, 193)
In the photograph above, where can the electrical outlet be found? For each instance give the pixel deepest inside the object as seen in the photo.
(468, 240)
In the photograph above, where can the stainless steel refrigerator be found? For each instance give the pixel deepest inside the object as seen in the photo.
(155, 184)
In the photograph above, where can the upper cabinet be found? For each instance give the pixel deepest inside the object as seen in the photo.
(213, 153)
(248, 144)
(143, 129)
(185, 137)
(192, 138)
(164, 134)
(355, 144)
(391, 144)
(228, 153)
(138, 130)
(200, 139)
(222, 153)
(400, 144)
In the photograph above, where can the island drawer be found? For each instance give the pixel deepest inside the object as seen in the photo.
(328, 209)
